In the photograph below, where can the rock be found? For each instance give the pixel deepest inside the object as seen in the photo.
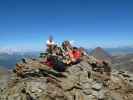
(102, 94)
(95, 93)
(97, 86)
(79, 95)
(73, 69)
(116, 96)
(86, 85)
(83, 77)
(69, 83)
(35, 81)
(87, 91)
(84, 66)
(91, 97)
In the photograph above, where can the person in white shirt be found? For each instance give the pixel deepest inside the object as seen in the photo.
(50, 44)
(50, 41)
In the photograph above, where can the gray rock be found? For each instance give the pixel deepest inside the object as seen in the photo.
(116, 96)
(97, 86)
(87, 91)
(80, 83)
(102, 94)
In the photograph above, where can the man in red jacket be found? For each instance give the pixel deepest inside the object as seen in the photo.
(76, 55)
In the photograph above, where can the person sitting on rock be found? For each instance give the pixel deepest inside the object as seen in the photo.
(50, 44)
(76, 55)
(66, 46)
(48, 61)
(63, 58)
(66, 50)
(57, 51)
(55, 60)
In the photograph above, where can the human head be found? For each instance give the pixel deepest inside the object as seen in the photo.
(66, 43)
(75, 49)
(50, 38)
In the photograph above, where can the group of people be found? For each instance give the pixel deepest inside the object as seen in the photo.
(60, 57)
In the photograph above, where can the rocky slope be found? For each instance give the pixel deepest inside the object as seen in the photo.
(123, 62)
(87, 80)
(4, 77)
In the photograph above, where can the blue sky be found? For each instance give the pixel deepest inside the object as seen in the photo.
(28, 23)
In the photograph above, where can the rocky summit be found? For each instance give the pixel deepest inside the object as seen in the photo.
(87, 80)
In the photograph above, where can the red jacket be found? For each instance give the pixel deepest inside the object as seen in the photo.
(77, 54)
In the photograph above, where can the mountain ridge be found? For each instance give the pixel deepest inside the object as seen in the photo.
(101, 54)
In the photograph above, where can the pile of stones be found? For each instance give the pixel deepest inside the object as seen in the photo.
(87, 80)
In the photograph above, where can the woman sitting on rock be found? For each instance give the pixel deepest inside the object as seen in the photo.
(74, 55)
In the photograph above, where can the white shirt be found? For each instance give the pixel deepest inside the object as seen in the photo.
(50, 43)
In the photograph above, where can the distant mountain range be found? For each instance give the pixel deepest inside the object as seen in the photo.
(119, 56)
(116, 51)
(9, 60)
(120, 50)
(121, 61)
